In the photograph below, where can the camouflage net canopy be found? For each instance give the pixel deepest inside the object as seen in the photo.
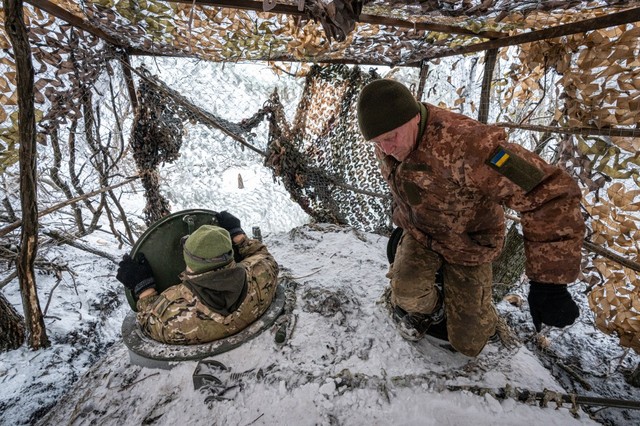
(575, 94)
(355, 31)
(158, 130)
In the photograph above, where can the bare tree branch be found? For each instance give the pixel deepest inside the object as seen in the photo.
(4, 231)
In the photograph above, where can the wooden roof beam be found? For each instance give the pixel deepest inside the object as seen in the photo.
(618, 18)
(286, 9)
(284, 58)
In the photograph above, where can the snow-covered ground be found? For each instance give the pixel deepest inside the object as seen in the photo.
(344, 363)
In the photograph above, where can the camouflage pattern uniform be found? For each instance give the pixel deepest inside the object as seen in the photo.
(177, 316)
(448, 197)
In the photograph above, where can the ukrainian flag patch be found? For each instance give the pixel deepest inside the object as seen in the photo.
(521, 171)
(499, 158)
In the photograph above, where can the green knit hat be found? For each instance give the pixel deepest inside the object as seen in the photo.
(384, 105)
(208, 248)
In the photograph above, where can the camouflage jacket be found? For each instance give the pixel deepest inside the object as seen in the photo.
(450, 191)
(177, 316)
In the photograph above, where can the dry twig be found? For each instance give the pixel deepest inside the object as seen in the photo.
(69, 239)
(15, 225)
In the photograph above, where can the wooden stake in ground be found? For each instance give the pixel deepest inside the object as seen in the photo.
(11, 326)
(17, 32)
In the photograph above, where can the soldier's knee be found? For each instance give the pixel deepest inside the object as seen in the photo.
(470, 341)
(467, 348)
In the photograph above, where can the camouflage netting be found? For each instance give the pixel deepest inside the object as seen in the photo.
(599, 78)
(401, 34)
(583, 90)
(156, 138)
(67, 64)
(158, 130)
(74, 90)
(322, 159)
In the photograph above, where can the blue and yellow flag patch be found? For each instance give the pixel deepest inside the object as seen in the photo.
(518, 170)
(499, 158)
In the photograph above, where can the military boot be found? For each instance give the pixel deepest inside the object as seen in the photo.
(413, 327)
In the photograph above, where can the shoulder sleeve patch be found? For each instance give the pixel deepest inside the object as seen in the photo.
(518, 170)
(416, 167)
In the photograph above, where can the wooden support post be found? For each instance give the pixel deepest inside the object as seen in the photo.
(424, 70)
(128, 78)
(17, 32)
(491, 56)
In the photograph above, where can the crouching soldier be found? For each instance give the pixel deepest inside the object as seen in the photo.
(450, 177)
(228, 283)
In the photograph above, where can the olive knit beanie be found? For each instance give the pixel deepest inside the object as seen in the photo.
(208, 248)
(384, 105)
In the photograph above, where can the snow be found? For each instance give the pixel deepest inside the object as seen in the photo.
(344, 363)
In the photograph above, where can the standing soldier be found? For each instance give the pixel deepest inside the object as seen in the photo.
(450, 177)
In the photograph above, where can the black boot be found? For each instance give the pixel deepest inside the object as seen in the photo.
(413, 327)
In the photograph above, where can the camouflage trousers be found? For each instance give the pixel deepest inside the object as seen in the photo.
(471, 316)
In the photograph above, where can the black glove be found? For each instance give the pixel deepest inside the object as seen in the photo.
(137, 276)
(551, 304)
(229, 222)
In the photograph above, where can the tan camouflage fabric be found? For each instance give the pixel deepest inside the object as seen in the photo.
(177, 316)
(471, 317)
(451, 201)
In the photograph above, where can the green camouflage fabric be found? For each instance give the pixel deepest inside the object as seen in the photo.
(450, 199)
(471, 317)
(177, 316)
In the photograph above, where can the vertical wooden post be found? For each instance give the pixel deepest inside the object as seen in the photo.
(128, 78)
(491, 57)
(424, 70)
(17, 32)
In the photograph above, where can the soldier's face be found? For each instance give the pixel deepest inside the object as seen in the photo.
(400, 141)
